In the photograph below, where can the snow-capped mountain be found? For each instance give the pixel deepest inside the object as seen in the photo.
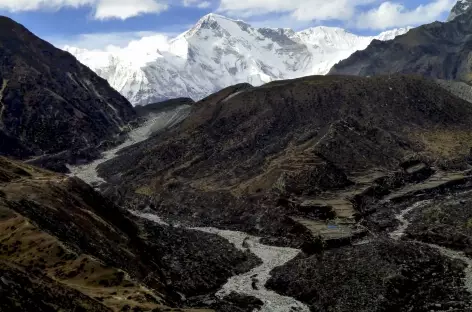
(459, 8)
(218, 52)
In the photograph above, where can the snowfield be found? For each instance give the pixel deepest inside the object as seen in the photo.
(218, 52)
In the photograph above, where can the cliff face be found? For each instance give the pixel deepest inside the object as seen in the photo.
(459, 8)
(49, 102)
(437, 50)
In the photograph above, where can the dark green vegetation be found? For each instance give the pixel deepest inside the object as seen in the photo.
(49, 102)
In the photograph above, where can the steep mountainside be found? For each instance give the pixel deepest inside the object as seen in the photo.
(335, 164)
(63, 247)
(303, 136)
(49, 102)
(459, 8)
(218, 52)
(437, 50)
(156, 108)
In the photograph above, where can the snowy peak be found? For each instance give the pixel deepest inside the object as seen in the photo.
(391, 34)
(339, 38)
(218, 52)
(329, 37)
(216, 22)
(459, 8)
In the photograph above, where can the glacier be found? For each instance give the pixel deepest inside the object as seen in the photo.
(218, 52)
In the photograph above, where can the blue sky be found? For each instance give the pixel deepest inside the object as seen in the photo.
(97, 23)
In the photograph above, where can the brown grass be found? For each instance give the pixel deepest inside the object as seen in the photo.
(144, 190)
(447, 143)
(21, 243)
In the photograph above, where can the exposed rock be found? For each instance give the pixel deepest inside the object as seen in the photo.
(62, 229)
(445, 221)
(155, 108)
(379, 276)
(461, 7)
(324, 164)
(437, 50)
(242, 150)
(49, 102)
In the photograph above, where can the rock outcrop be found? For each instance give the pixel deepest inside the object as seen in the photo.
(64, 245)
(326, 165)
(49, 102)
(246, 156)
(437, 50)
(459, 8)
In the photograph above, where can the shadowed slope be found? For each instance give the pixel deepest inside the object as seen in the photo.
(437, 50)
(241, 149)
(49, 102)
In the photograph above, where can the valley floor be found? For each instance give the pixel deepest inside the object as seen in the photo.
(287, 277)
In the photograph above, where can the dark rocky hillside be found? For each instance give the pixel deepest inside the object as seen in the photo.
(347, 169)
(459, 8)
(369, 178)
(156, 108)
(437, 50)
(49, 102)
(63, 247)
(244, 148)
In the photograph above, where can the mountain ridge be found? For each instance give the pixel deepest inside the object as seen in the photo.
(218, 52)
(459, 8)
(436, 50)
(50, 102)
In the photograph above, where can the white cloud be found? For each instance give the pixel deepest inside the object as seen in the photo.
(196, 3)
(115, 40)
(137, 52)
(299, 9)
(33, 5)
(124, 9)
(390, 14)
(386, 15)
(103, 9)
(105, 41)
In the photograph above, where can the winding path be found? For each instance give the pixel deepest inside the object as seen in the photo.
(450, 253)
(251, 283)
(155, 123)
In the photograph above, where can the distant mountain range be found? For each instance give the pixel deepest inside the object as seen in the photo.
(218, 52)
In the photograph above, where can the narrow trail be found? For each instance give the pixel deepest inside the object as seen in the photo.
(450, 253)
(404, 222)
(251, 283)
(155, 123)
